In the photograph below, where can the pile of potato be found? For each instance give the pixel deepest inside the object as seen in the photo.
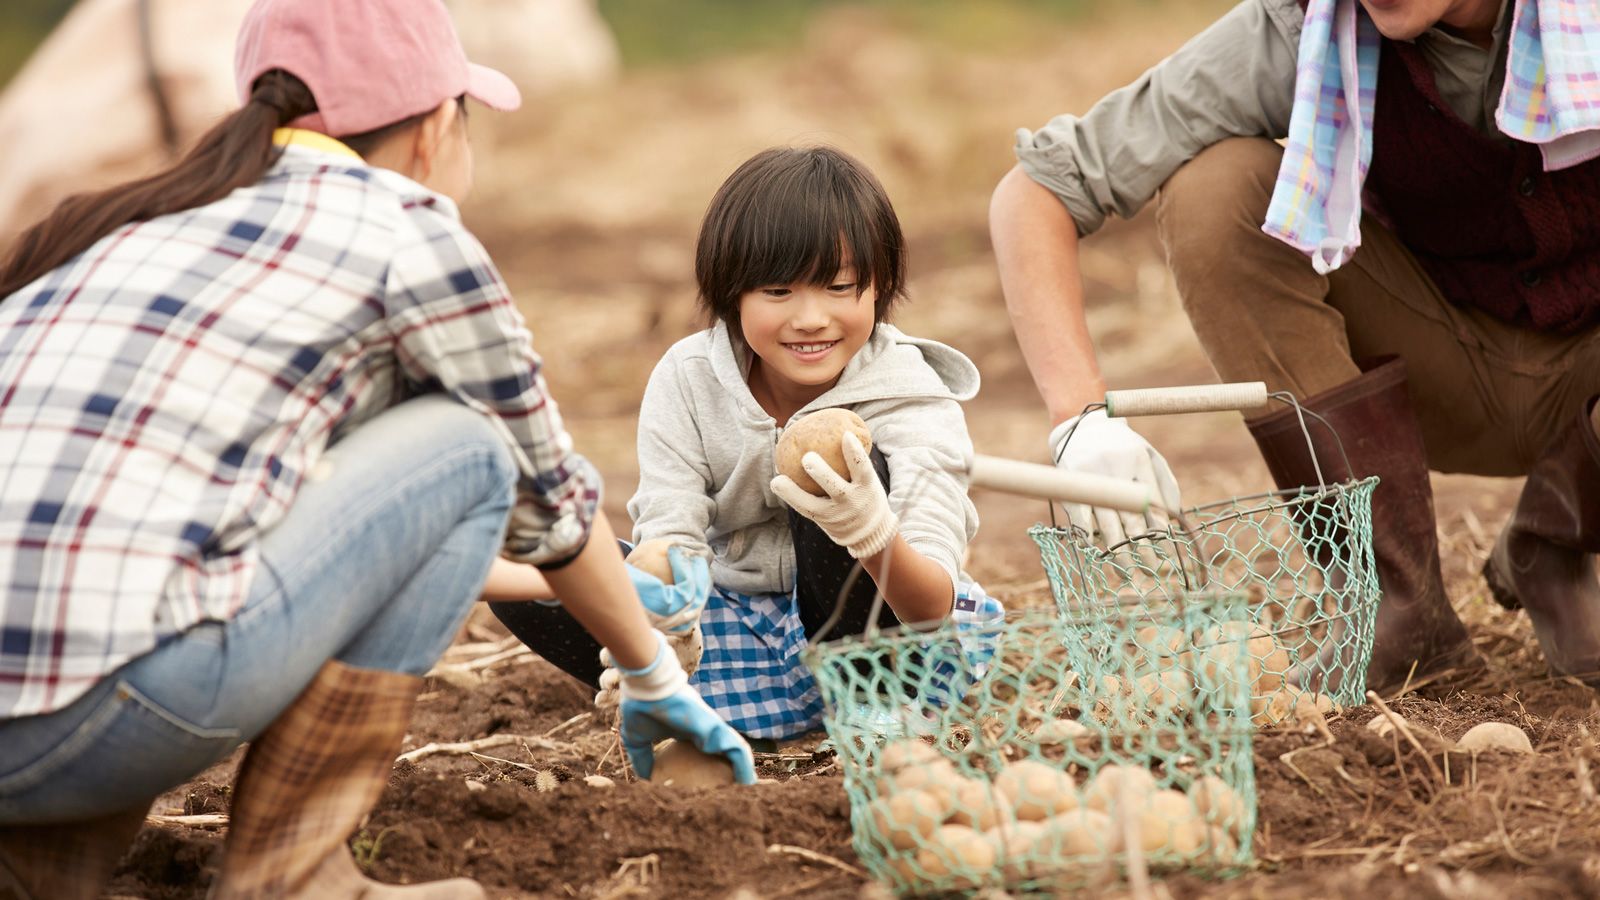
(1166, 686)
(1031, 821)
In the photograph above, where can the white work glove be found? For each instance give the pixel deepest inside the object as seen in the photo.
(855, 514)
(1102, 445)
(685, 645)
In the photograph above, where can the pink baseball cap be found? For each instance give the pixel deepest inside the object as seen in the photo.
(368, 63)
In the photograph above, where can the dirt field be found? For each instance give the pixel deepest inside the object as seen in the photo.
(589, 202)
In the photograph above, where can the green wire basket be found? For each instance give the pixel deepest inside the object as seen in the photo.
(1303, 557)
(1047, 751)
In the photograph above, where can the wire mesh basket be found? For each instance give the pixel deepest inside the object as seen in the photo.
(1047, 751)
(1303, 557)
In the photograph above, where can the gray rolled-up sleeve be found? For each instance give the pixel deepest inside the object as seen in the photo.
(1236, 78)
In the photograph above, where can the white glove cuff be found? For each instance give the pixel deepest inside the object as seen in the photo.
(1084, 422)
(657, 681)
(877, 537)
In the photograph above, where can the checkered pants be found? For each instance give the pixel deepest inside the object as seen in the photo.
(751, 672)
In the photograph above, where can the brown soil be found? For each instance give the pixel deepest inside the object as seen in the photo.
(590, 204)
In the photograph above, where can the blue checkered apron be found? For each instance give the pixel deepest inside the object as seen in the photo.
(751, 672)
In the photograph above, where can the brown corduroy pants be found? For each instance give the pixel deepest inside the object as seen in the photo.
(1488, 395)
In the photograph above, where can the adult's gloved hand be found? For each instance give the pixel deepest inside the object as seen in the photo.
(686, 646)
(1102, 445)
(855, 514)
(658, 703)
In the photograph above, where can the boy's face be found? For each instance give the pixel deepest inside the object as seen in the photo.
(805, 334)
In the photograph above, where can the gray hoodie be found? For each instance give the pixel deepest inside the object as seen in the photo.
(706, 453)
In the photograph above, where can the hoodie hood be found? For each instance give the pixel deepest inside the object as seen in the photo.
(891, 366)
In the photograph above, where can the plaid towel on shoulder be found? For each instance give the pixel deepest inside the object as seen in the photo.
(1551, 98)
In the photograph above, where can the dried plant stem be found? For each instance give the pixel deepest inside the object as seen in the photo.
(814, 856)
(493, 740)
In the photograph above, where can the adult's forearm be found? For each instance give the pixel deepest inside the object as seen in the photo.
(915, 587)
(1036, 250)
(594, 587)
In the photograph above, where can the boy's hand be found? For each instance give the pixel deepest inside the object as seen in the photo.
(855, 514)
(658, 703)
(671, 608)
(674, 608)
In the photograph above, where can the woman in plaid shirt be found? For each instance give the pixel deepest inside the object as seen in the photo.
(265, 420)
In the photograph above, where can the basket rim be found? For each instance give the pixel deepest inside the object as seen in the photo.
(1128, 604)
(1205, 515)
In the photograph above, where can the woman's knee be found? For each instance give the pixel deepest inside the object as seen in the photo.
(460, 429)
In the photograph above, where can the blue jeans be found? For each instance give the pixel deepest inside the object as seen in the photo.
(375, 565)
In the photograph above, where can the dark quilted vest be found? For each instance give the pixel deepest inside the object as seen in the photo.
(1481, 215)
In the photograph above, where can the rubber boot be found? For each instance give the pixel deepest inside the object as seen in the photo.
(1543, 561)
(305, 785)
(1418, 634)
(67, 861)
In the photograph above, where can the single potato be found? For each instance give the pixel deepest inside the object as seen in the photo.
(820, 432)
(651, 557)
(680, 765)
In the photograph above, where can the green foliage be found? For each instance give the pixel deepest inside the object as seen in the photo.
(23, 24)
(655, 32)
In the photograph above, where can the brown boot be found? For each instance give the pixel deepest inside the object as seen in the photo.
(1543, 561)
(69, 861)
(306, 784)
(1416, 625)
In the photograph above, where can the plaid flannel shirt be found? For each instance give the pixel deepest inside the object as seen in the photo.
(163, 394)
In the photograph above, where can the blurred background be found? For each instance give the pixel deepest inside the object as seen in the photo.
(589, 197)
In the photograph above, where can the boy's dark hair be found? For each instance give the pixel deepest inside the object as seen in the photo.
(794, 215)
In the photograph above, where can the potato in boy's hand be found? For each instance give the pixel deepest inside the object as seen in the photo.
(822, 433)
(853, 509)
(651, 557)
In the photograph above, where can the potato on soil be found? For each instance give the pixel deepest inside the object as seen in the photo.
(819, 432)
(1035, 790)
(681, 765)
(1288, 706)
(906, 819)
(1115, 783)
(1381, 726)
(957, 851)
(651, 557)
(1495, 736)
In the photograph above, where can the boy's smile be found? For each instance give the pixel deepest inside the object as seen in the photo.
(812, 351)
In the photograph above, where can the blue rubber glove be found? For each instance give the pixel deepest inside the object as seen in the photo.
(658, 703)
(674, 607)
